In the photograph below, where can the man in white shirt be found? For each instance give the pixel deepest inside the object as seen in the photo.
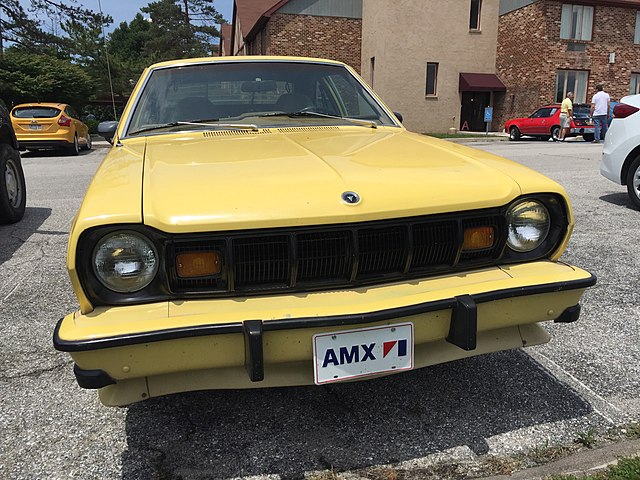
(600, 112)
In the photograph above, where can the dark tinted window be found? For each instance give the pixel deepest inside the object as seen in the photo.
(542, 113)
(474, 18)
(432, 79)
(36, 112)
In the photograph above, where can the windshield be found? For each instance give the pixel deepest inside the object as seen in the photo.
(251, 92)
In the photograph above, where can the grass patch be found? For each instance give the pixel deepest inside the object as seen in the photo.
(548, 453)
(625, 469)
(633, 430)
(587, 439)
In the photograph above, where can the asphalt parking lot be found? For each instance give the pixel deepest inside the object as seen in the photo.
(587, 377)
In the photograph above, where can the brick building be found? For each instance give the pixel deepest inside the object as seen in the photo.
(225, 40)
(433, 64)
(549, 47)
(309, 28)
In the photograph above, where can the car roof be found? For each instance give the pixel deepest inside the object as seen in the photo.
(557, 105)
(243, 59)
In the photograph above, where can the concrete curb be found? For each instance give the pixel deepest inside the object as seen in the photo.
(101, 144)
(584, 462)
(488, 138)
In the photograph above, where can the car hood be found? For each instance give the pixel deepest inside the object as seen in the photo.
(242, 180)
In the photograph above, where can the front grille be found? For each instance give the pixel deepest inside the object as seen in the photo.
(335, 256)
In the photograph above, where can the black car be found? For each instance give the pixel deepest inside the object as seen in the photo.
(13, 192)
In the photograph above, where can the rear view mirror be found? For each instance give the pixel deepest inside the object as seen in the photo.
(259, 86)
(107, 130)
(398, 116)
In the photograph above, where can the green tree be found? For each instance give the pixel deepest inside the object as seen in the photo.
(179, 32)
(172, 29)
(17, 28)
(86, 48)
(128, 52)
(27, 77)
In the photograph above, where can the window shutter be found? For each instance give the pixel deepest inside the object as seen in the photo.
(637, 37)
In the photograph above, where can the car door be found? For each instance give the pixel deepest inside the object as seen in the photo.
(539, 121)
(526, 124)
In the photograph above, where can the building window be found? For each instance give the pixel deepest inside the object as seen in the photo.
(636, 39)
(432, 80)
(572, 81)
(576, 23)
(474, 17)
(635, 84)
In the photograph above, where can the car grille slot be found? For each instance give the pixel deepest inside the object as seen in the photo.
(324, 256)
(435, 244)
(260, 261)
(315, 258)
(381, 251)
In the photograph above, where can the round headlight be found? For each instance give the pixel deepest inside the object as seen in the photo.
(125, 262)
(528, 223)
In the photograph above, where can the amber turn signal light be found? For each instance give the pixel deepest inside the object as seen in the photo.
(478, 238)
(198, 264)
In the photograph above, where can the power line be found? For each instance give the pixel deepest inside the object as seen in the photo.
(106, 54)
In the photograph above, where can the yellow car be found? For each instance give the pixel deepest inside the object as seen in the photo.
(268, 221)
(50, 125)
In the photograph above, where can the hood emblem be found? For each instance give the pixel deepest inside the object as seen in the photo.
(351, 198)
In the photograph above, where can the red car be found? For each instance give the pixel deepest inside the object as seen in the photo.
(545, 123)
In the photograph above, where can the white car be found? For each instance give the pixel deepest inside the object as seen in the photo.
(621, 152)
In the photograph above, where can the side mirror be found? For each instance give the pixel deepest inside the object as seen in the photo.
(398, 116)
(107, 130)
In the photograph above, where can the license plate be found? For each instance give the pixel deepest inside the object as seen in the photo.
(357, 353)
(35, 127)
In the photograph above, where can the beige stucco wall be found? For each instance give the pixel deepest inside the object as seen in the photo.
(403, 35)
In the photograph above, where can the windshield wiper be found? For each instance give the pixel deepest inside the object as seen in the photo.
(199, 123)
(306, 113)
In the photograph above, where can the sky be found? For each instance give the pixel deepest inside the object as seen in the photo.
(125, 10)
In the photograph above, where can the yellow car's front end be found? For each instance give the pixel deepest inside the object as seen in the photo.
(273, 247)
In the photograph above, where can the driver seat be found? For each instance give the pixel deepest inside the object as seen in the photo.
(195, 108)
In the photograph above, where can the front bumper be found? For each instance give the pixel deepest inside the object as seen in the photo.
(142, 351)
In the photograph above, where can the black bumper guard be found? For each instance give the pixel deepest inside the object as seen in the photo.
(462, 330)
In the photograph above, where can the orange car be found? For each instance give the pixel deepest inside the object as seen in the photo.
(50, 125)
